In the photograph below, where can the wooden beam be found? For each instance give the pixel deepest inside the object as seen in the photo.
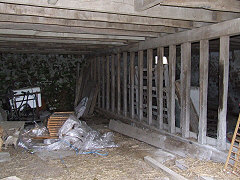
(218, 5)
(85, 24)
(118, 83)
(229, 28)
(132, 74)
(149, 85)
(185, 87)
(140, 85)
(172, 76)
(223, 92)
(88, 15)
(103, 83)
(64, 41)
(113, 83)
(99, 80)
(75, 30)
(107, 84)
(125, 83)
(204, 60)
(160, 54)
(35, 33)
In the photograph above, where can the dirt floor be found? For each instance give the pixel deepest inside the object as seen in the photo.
(123, 162)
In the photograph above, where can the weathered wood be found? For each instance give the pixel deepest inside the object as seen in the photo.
(203, 68)
(140, 85)
(95, 69)
(94, 99)
(103, 83)
(223, 91)
(132, 74)
(185, 88)
(172, 76)
(113, 83)
(118, 83)
(105, 26)
(99, 80)
(107, 84)
(149, 85)
(89, 15)
(77, 85)
(160, 53)
(227, 28)
(220, 5)
(125, 83)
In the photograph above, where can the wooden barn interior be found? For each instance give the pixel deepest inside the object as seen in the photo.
(163, 76)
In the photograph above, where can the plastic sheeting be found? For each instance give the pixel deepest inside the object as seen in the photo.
(74, 134)
(80, 109)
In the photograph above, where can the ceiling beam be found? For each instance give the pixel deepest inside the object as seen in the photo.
(90, 16)
(76, 30)
(35, 33)
(218, 5)
(86, 24)
(128, 7)
(64, 41)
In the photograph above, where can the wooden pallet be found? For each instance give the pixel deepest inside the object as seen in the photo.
(233, 159)
(55, 122)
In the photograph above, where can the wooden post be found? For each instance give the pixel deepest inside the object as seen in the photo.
(223, 92)
(149, 85)
(125, 83)
(99, 80)
(172, 76)
(185, 87)
(160, 53)
(95, 69)
(113, 83)
(103, 82)
(132, 74)
(203, 67)
(140, 84)
(118, 84)
(107, 84)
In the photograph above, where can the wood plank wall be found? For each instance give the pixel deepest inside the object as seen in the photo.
(119, 73)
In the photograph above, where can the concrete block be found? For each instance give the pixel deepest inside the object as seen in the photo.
(5, 157)
(162, 156)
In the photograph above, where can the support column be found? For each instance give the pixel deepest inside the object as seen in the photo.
(132, 73)
(203, 67)
(149, 85)
(125, 83)
(103, 82)
(107, 84)
(160, 53)
(172, 77)
(118, 84)
(185, 87)
(99, 80)
(140, 84)
(113, 83)
(223, 92)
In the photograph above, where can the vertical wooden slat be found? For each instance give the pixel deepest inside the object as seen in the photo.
(118, 84)
(160, 53)
(99, 80)
(185, 87)
(172, 76)
(103, 82)
(149, 85)
(113, 83)
(223, 91)
(203, 67)
(132, 73)
(125, 83)
(140, 84)
(107, 83)
(95, 69)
